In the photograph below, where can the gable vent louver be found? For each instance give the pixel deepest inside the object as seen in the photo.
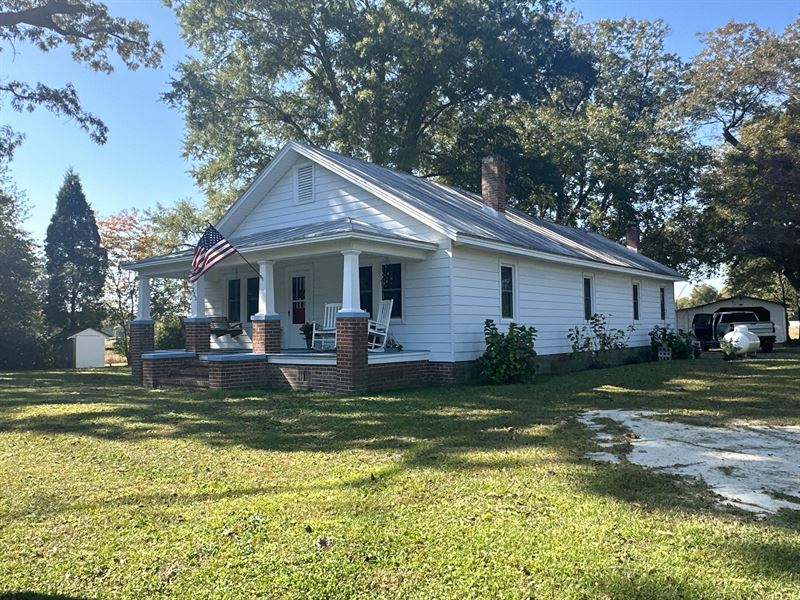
(305, 183)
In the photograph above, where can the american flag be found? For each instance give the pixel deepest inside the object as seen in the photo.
(211, 249)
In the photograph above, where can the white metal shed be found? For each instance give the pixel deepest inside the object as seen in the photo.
(766, 310)
(88, 349)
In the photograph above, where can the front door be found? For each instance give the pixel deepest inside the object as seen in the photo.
(299, 303)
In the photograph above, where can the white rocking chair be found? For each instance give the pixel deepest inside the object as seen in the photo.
(378, 331)
(323, 336)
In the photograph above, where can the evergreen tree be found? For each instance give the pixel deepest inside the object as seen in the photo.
(76, 262)
(21, 328)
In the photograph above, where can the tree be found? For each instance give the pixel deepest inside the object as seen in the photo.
(702, 293)
(127, 237)
(751, 217)
(742, 72)
(376, 79)
(21, 331)
(174, 228)
(76, 262)
(598, 153)
(758, 277)
(92, 34)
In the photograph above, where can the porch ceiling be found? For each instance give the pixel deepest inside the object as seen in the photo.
(298, 242)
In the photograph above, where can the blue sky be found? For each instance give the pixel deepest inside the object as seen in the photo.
(141, 164)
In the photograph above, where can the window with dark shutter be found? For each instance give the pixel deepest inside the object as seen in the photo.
(392, 287)
(588, 309)
(635, 301)
(507, 292)
(234, 300)
(365, 288)
(252, 297)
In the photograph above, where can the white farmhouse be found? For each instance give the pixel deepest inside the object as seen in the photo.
(322, 229)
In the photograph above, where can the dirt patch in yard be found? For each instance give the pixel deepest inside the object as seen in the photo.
(753, 467)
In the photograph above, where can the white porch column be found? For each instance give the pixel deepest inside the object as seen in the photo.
(266, 288)
(198, 299)
(351, 298)
(143, 305)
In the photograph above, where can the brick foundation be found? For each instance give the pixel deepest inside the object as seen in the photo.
(159, 372)
(142, 339)
(227, 375)
(198, 334)
(351, 353)
(323, 378)
(266, 334)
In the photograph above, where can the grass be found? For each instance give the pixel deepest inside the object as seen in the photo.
(111, 490)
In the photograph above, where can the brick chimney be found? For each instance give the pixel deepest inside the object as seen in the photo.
(633, 236)
(493, 182)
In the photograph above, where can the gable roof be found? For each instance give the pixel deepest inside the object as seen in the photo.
(460, 215)
(729, 298)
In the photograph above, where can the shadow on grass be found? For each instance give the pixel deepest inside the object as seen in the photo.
(433, 427)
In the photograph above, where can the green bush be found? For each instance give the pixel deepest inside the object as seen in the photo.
(598, 337)
(682, 344)
(509, 356)
(169, 334)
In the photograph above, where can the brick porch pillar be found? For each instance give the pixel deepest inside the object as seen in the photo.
(198, 334)
(351, 351)
(266, 333)
(142, 340)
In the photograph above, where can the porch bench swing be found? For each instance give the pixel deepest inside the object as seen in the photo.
(220, 326)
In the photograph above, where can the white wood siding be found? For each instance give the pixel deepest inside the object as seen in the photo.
(549, 297)
(334, 198)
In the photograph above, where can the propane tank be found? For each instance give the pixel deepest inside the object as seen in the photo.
(742, 340)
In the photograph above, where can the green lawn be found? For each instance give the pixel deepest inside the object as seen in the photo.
(111, 490)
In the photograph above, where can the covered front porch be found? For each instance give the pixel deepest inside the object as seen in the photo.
(247, 314)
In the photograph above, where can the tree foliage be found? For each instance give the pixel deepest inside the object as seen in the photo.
(752, 197)
(702, 293)
(92, 34)
(742, 72)
(21, 332)
(127, 237)
(380, 80)
(76, 261)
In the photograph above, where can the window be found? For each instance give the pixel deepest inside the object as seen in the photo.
(588, 309)
(635, 301)
(392, 288)
(365, 288)
(506, 292)
(305, 184)
(252, 297)
(663, 296)
(234, 300)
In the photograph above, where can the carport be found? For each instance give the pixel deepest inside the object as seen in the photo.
(765, 310)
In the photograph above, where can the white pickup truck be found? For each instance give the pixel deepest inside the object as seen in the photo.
(710, 328)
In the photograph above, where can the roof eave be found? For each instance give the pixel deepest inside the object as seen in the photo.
(354, 236)
(467, 240)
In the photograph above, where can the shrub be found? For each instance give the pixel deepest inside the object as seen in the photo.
(682, 344)
(598, 337)
(169, 334)
(509, 356)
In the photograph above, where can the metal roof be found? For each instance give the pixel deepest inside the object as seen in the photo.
(310, 232)
(465, 215)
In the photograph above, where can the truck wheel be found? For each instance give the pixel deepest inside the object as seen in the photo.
(766, 345)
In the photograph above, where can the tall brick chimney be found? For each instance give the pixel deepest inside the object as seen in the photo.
(493, 182)
(633, 236)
